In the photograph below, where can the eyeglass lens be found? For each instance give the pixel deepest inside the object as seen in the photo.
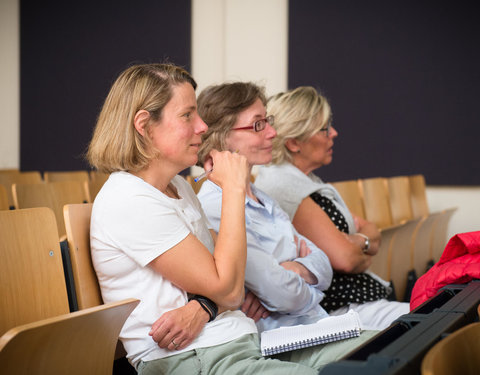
(261, 124)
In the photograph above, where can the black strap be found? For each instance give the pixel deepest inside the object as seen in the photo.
(207, 304)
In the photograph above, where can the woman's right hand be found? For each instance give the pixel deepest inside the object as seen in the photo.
(228, 169)
(176, 329)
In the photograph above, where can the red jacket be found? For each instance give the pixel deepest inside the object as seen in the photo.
(459, 264)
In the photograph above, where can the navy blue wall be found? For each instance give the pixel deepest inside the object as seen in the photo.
(402, 78)
(71, 52)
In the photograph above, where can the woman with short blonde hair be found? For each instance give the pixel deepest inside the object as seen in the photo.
(116, 145)
(299, 113)
(304, 143)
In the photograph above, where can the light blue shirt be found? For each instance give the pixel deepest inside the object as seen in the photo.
(271, 241)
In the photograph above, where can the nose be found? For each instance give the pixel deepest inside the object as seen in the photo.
(200, 126)
(270, 131)
(333, 132)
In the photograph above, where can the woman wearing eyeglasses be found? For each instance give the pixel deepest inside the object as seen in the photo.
(285, 272)
(304, 143)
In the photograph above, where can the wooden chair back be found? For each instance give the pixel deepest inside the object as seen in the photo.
(51, 176)
(50, 194)
(380, 262)
(82, 342)
(422, 246)
(98, 176)
(9, 170)
(77, 223)
(400, 258)
(87, 288)
(92, 188)
(440, 233)
(418, 195)
(376, 201)
(3, 198)
(7, 179)
(32, 280)
(351, 194)
(399, 197)
(458, 353)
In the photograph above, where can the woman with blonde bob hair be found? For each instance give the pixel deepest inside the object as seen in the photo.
(150, 239)
(304, 143)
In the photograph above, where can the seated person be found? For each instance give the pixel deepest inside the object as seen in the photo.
(150, 239)
(284, 270)
(304, 143)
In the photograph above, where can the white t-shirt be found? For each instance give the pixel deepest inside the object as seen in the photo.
(132, 224)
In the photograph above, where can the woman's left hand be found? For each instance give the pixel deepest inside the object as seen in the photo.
(253, 308)
(176, 329)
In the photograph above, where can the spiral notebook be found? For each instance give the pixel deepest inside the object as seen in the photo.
(332, 328)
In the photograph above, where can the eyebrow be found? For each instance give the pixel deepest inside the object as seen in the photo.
(189, 108)
(256, 117)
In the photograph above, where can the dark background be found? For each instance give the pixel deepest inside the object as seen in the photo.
(71, 52)
(402, 78)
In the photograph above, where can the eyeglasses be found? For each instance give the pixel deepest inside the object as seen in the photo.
(326, 129)
(259, 125)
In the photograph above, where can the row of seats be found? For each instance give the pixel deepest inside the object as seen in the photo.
(40, 283)
(54, 190)
(91, 181)
(413, 237)
(35, 322)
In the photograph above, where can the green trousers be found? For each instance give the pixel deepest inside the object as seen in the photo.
(243, 356)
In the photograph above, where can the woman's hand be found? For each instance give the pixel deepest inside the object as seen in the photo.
(176, 329)
(253, 308)
(302, 249)
(228, 169)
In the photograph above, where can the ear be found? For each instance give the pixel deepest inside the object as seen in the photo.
(141, 120)
(292, 145)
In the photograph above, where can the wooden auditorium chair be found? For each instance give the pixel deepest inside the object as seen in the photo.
(457, 353)
(3, 198)
(399, 198)
(82, 342)
(50, 194)
(97, 179)
(77, 222)
(440, 234)
(32, 281)
(53, 176)
(350, 192)
(376, 203)
(420, 207)
(10, 177)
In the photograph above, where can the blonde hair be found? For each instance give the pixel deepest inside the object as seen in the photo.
(219, 106)
(116, 145)
(299, 114)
